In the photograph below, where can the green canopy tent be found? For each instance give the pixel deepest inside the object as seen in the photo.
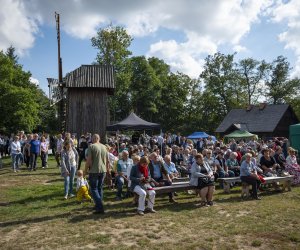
(239, 134)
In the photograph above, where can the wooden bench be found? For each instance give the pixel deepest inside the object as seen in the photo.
(181, 179)
(286, 181)
(175, 187)
(227, 182)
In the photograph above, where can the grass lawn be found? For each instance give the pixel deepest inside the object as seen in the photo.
(33, 214)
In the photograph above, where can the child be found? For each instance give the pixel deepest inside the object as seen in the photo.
(82, 187)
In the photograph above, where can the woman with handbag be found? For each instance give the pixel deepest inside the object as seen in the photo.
(140, 184)
(202, 177)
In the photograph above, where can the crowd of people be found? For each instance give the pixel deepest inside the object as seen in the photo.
(139, 164)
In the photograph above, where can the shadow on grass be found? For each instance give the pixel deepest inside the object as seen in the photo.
(5, 171)
(35, 220)
(33, 199)
(55, 180)
(30, 173)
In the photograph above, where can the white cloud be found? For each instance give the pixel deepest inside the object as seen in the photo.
(178, 57)
(239, 48)
(143, 24)
(34, 81)
(16, 28)
(290, 12)
(205, 24)
(84, 27)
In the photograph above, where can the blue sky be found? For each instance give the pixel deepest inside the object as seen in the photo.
(181, 32)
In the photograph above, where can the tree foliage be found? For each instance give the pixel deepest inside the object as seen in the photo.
(251, 75)
(220, 78)
(23, 106)
(148, 87)
(112, 43)
(280, 86)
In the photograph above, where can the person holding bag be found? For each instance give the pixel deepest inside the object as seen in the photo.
(140, 184)
(202, 178)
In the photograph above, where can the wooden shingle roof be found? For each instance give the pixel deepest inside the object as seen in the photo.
(93, 76)
(255, 119)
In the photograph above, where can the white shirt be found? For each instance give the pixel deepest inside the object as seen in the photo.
(59, 145)
(160, 140)
(15, 147)
(81, 182)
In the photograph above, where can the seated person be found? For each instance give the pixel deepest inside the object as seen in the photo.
(176, 156)
(292, 165)
(210, 160)
(279, 158)
(123, 164)
(184, 164)
(159, 174)
(250, 176)
(233, 164)
(202, 177)
(268, 163)
(140, 178)
(222, 169)
(170, 168)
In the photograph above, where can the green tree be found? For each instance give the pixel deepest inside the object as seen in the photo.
(251, 74)
(220, 79)
(11, 54)
(22, 104)
(174, 88)
(112, 44)
(144, 88)
(19, 109)
(280, 86)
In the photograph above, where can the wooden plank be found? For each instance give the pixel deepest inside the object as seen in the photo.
(179, 179)
(286, 180)
(175, 188)
(180, 183)
(87, 111)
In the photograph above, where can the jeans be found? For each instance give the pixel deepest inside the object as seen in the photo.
(69, 181)
(120, 181)
(96, 184)
(15, 161)
(33, 158)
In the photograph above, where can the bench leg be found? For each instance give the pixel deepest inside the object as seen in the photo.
(286, 185)
(226, 187)
(245, 190)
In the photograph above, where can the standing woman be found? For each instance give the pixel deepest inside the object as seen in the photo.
(15, 149)
(44, 152)
(69, 161)
(203, 178)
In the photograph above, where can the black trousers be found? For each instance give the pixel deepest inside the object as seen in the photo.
(252, 181)
(166, 183)
(33, 158)
(44, 159)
